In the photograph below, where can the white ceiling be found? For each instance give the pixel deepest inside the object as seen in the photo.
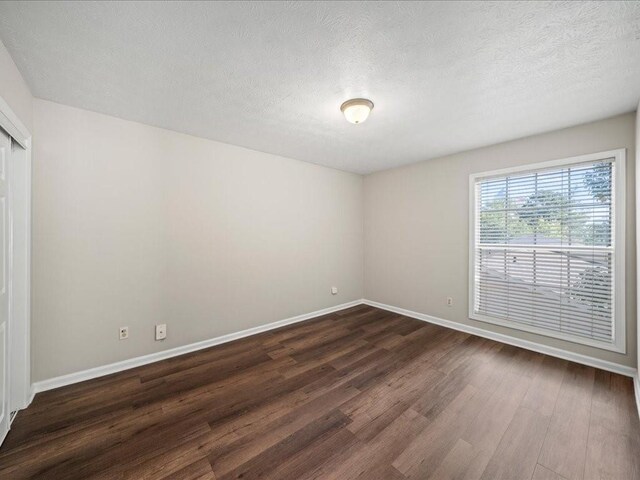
(271, 76)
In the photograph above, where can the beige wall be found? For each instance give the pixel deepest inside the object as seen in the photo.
(135, 225)
(14, 90)
(417, 225)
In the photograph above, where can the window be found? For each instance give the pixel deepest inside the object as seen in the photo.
(547, 249)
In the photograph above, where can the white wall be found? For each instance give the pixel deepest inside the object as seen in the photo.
(417, 226)
(135, 225)
(14, 90)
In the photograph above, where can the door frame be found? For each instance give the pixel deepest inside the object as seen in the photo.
(19, 262)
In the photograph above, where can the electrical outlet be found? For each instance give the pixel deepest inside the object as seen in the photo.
(334, 290)
(124, 333)
(449, 301)
(161, 331)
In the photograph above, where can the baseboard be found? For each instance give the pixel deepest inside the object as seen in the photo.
(498, 337)
(96, 372)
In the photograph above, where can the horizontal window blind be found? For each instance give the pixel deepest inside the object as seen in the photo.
(543, 249)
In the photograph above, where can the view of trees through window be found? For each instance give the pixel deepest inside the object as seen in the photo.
(544, 248)
(570, 207)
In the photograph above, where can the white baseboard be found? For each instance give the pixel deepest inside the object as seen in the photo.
(96, 372)
(174, 352)
(498, 337)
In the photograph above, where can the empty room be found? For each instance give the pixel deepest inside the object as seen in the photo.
(320, 240)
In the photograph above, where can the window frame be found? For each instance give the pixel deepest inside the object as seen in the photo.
(618, 343)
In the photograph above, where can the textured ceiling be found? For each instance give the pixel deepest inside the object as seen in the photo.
(271, 76)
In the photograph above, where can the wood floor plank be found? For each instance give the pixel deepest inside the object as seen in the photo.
(517, 453)
(200, 470)
(139, 447)
(429, 449)
(478, 370)
(368, 460)
(565, 446)
(232, 456)
(613, 446)
(543, 473)
(371, 411)
(67, 444)
(78, 410)
(464, 461)
(170, 463)
(314, 456)
(495, 415)
(611, 454)
(491, 423)
(613, 403)
(358, 394)
(268, 460)
(544, 389)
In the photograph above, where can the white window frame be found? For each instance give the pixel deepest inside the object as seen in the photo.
(618, 343)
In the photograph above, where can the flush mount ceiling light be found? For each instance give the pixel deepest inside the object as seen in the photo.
(356, 110)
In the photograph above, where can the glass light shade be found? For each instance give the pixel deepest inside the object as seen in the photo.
(356, 110)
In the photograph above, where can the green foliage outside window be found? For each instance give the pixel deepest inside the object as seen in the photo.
(549, 214)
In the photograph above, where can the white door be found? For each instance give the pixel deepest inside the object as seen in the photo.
(5, 152)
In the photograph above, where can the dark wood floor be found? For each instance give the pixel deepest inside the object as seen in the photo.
(360, 393)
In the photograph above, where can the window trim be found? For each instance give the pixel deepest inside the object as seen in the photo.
(618, 343)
